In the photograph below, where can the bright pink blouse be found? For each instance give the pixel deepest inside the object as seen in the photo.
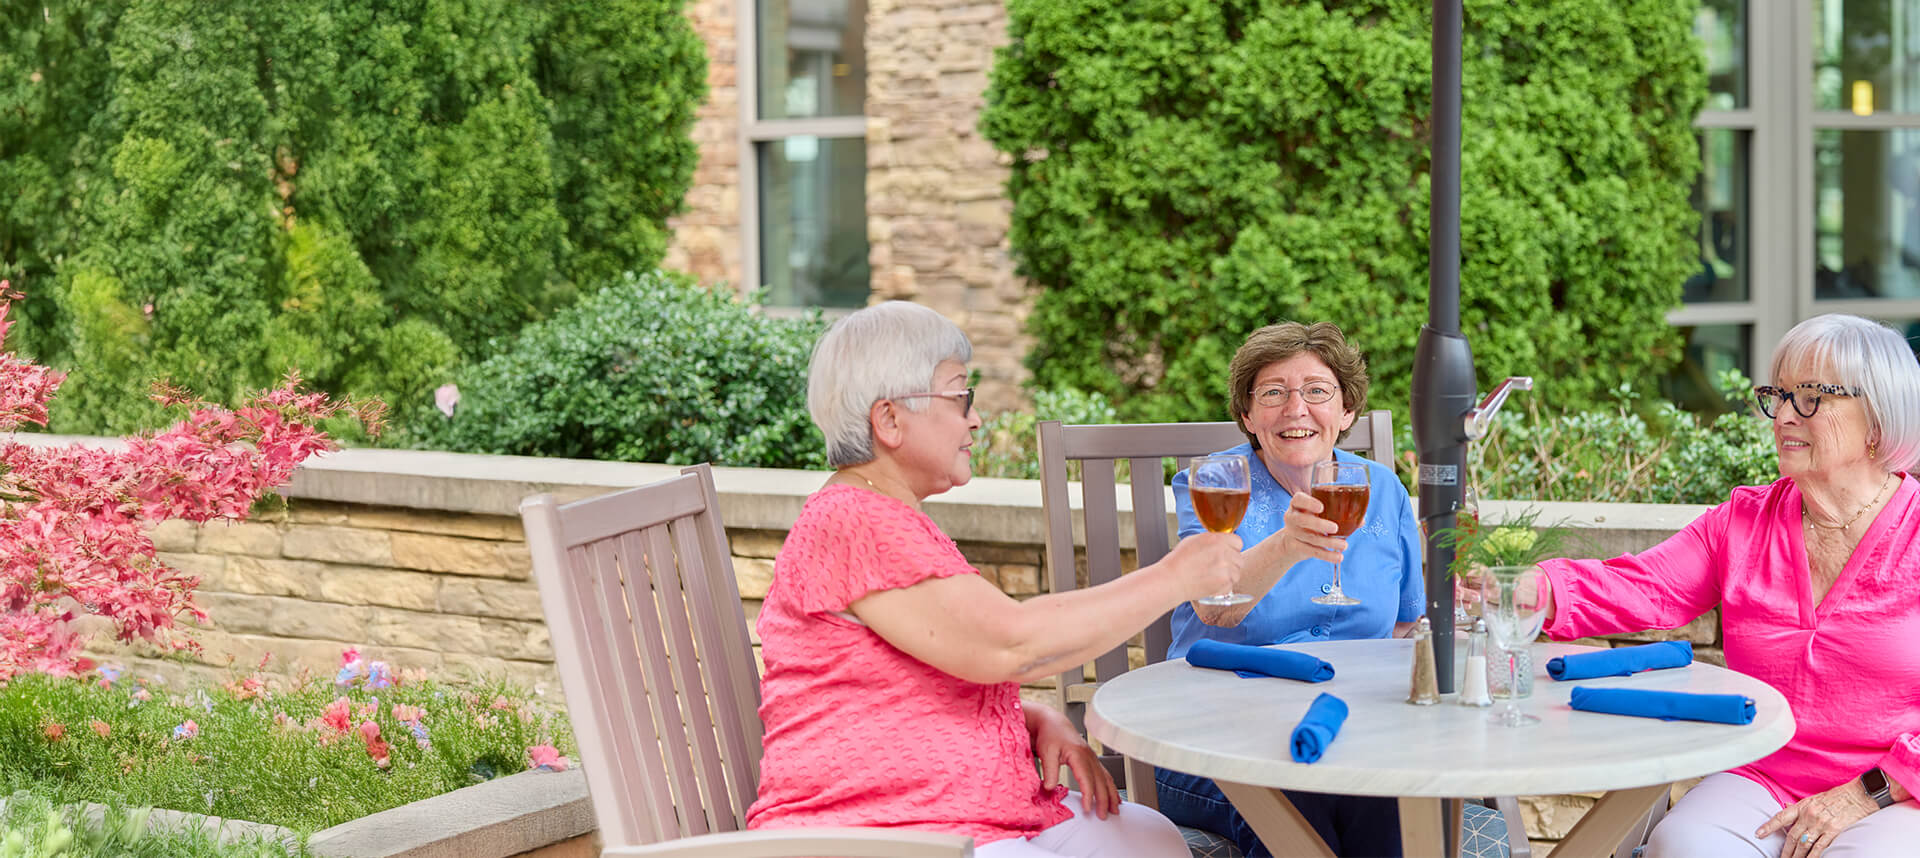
(1849, 667)
(860, 733)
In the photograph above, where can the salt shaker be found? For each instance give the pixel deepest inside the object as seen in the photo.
(1473, 688)
(1425, 689)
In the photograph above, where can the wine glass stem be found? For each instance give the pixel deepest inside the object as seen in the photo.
(1513, 684)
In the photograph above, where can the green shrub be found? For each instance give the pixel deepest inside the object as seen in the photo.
(651, 369)
(1008, 445)
(217, 192)
(1629, 453)
(31, 827)
(1186, 172)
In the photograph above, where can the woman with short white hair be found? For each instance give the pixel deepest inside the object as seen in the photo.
(891, 695)
(1817, 578)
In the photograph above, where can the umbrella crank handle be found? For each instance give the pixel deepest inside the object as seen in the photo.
(1479, 420)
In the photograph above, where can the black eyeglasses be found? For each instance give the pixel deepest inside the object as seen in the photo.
(965, 397)
(1807, 394)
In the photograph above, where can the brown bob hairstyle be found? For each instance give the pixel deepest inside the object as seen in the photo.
(1277, 342)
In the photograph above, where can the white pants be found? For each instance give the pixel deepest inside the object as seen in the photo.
(1719, 816)
(1137, 831)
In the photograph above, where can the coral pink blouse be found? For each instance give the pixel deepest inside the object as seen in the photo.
(860, 733)
(1849, 666)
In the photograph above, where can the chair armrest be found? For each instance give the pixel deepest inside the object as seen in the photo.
(806, 843)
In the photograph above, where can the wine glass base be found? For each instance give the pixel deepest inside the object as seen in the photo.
(1225, 600)
(1335, 599)
(1512, 718)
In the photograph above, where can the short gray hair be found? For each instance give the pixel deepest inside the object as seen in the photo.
(880, 352)
(1873, 357)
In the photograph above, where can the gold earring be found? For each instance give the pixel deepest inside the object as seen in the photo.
(1873, 450)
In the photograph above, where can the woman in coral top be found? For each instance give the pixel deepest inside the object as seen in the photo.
(891, 695)
(1817, 578)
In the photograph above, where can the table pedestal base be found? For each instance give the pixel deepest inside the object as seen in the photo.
(1431, 826)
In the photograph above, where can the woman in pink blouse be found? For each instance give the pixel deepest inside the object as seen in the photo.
(1817, 578)
(891, 694)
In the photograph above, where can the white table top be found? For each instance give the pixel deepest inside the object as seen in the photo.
(1218, 725)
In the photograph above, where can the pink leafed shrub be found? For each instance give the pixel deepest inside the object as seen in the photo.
(73, 520)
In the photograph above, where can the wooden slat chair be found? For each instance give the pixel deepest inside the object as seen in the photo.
(652, 649)
(1144, 447)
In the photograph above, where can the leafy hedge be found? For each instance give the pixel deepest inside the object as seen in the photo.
(1629, 452)
(217, 192)
(651, 369)
(1184, 172)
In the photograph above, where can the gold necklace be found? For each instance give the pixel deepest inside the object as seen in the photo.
(863, 478)
(1856, 514)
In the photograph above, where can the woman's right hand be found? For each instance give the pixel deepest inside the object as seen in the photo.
(1305, 534)
(1208, 564)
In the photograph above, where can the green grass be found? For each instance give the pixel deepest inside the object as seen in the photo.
(255, 758)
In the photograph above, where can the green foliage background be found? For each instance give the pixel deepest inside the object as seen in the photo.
(653, 368)
(1187, 171)
(217, 192)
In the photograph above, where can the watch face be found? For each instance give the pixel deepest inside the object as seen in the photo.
(1874, 780)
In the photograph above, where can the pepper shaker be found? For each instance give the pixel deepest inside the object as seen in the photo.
(1425, 689)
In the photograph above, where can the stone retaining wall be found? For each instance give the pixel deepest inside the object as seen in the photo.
(419, 559)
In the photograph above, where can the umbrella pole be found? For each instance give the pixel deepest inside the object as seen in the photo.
(1443, 384)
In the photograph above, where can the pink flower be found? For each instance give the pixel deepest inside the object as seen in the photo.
(54, 731)
(546, 758)
(446, 397)
(102, 728)
(404, 713)
(376, 748)
(186, 730)
(337, 719)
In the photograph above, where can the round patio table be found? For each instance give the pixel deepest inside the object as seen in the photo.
(1238, 731)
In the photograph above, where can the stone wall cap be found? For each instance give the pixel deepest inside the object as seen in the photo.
(502, 817)
(986, 509)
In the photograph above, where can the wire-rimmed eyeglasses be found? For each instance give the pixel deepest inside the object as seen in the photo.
(965, 397)
(1313, 393)
(1807, 395)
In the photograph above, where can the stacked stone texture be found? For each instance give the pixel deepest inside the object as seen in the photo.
(451, 594)
(937, 212)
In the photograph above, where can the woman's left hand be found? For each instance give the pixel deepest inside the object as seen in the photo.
(1812, 822)
(1057, 743)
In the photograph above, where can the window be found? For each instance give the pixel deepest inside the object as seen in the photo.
(803, 182)
(1809, 191)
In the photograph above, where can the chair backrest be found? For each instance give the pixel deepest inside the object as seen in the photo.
(653, 654)
(1143, 446)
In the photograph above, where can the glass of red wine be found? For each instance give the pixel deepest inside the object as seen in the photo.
(1341, 487)
(1220, 487)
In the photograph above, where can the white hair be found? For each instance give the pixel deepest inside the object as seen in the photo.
(880, 352)
(1873, 357)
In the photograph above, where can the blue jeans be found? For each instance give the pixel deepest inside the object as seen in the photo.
(1353, 826)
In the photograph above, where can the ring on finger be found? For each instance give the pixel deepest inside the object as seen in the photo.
(1807, 837)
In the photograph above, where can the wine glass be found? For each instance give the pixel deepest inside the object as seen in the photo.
(1511, 604)
(1220, 487)
(1342, 489)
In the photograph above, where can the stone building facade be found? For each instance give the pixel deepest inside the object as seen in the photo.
(937, 211)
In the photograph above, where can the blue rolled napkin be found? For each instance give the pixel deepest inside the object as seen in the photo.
(1318, 727)
(1665, 705)
(1251, 661)
(1625, 661)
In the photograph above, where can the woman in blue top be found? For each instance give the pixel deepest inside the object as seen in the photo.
(1295, 389)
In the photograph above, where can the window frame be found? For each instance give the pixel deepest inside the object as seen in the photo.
(755, 132)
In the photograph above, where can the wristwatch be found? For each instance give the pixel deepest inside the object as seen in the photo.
(1876, 783)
